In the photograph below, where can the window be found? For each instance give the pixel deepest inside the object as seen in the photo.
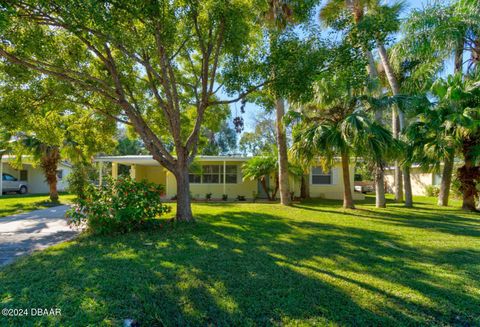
(195, 178)
(437, 179)
(231, 174)
(319, 177)
(59, 174)
(24, 175)
(8, 178)
(213, 174)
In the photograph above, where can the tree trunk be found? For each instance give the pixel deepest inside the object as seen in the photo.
(282, 153)
(49, 165)
(408, 187)
(446, 179)
(263, 182)
(274, 194)
(398, 122)
(450, 157)
(304, 188)
(184, 208)
(468, 175)
(347, 188)
(380, 201)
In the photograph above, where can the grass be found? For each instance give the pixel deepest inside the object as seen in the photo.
(262, 264)
(13, 204)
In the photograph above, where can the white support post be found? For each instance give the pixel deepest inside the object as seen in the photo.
(100, 173)
(224, 177)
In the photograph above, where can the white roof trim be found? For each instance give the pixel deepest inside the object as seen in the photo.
(148, 159)
(25, 160)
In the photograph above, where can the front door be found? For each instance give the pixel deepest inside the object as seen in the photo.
(261, 191)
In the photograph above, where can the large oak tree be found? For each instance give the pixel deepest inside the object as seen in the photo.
(155, 65)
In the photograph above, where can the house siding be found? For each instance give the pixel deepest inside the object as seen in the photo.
(36, 179)
(419, 179)
(246, 188)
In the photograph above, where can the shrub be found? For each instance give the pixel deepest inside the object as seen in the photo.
(79, 178)
(225, 197)
(121, 206)
(432, 190)
(208, 196)
(241, 198)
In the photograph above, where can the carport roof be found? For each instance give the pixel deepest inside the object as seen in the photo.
(149, 161)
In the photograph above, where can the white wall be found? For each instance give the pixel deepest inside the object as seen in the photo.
(36, 179)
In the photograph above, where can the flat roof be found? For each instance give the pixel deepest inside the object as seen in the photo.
(26, 160)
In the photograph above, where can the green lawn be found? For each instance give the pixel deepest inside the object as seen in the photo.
(263, 264)
(12, 204)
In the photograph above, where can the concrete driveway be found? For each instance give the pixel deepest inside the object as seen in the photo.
(26, 232)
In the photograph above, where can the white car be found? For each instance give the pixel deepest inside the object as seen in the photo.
(12, 184)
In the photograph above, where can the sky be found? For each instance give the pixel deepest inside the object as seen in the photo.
(252, 111)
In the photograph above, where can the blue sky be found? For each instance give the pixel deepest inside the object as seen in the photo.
(252, 111)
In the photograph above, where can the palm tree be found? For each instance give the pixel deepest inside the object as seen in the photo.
(335, 124)
(460, 97)
(445, 30)
(48, 157)
(261, 168)
(330, 12)
(278, 16)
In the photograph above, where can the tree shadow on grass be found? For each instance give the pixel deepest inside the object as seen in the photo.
(239, 268)
(450, 221)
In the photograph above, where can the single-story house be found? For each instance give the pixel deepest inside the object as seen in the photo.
(220, 175)
(32, 175)
(420, 179)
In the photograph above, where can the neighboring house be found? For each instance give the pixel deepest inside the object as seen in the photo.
(223, 175)
(34, 175)
(420, 179)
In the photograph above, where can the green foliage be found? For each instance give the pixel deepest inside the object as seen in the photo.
(336, 122)
(432, 190)
(121, 206)
(262, 140)
(219, 142)
(259, 167)
(79, 178)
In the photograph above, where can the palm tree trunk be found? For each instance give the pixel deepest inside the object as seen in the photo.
(49, 165)
(347, 187)
(450, 157)
(304, 188)
(282, 153)
(446, 179)
(263, 182)
(407, 184)
(468, 174)
(398, 122)
(380, 201)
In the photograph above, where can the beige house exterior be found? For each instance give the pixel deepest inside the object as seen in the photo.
(33, 175)
(223, 175)
(420, 180)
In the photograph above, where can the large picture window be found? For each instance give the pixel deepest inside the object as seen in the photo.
(213, 174)
(231, 174)
(320, 177)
